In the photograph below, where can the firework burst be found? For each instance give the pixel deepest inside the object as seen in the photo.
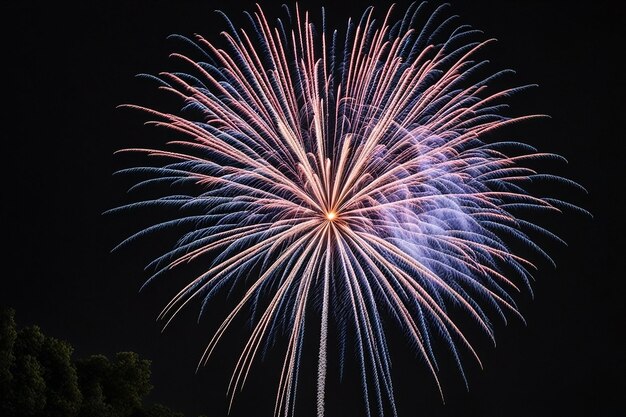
(347, 173)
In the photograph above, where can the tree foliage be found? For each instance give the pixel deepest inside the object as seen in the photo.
(8, 334)
(113, 388)
(39, 378)
(159, 410)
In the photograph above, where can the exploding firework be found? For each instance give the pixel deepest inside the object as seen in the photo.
(345, 178)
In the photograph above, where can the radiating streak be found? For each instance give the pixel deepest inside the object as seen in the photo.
(323, 165)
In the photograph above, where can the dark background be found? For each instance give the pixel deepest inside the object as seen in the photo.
(64, 71)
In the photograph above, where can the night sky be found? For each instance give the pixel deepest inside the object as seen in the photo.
(64, 72)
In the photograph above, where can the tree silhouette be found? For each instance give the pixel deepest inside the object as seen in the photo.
(92, 374)
(38, 378)
(8, 334)
(29, 386)
(63, 396)
(113, 388)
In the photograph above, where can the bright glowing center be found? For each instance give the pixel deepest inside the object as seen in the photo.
(331, 215)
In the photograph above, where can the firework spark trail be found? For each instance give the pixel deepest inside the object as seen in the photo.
(352, 173)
